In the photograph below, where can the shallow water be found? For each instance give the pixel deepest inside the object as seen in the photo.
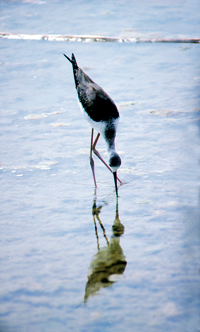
(64, 266)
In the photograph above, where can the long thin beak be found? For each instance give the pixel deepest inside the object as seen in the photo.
(115, 180)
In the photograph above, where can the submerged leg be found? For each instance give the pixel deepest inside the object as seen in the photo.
(91, 159)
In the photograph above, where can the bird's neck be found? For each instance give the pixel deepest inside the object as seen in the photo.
(111, 149)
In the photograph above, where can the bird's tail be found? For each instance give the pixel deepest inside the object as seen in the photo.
(72, 60)
(76, 69)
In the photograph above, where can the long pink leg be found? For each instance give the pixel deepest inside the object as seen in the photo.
(99, 156)
(91, 159)
(95, 142)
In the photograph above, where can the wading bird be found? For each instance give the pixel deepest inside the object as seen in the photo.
(102, 114)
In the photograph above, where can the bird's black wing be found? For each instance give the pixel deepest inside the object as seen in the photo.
(96, 102)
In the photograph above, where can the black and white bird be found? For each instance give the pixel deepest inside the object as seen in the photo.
(102, 114)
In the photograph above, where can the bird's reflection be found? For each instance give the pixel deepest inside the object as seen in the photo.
(108, 261)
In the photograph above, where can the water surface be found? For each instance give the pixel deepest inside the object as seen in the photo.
(70, 265)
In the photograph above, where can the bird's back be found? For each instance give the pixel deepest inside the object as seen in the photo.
(98, 105)
(95, 101)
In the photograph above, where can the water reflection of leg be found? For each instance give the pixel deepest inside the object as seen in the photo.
(109, 261)
(95, 213)
(96, 232)
(103, 229)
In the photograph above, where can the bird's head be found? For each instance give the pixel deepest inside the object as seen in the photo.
(114, 161)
